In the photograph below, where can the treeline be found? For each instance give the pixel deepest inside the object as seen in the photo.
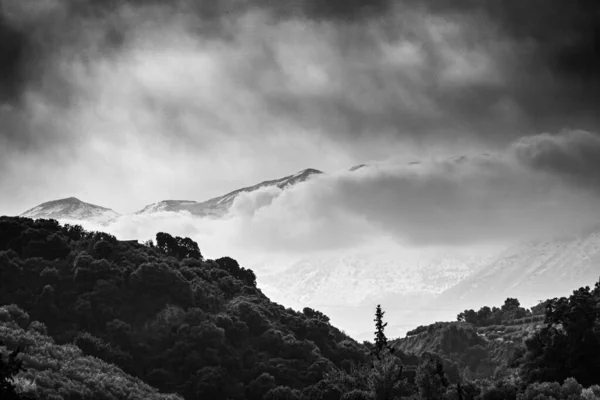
(509, 312)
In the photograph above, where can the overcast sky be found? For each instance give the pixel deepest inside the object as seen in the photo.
(125, 103)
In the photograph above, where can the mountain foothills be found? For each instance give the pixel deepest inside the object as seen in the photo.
(86, 316)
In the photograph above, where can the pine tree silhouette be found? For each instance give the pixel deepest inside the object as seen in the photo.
(381, 343)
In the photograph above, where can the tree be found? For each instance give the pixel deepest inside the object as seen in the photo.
(259, 387)
(380, 338)
(310, 313)
(8, 370)
(569, 344)
(166, 244)
(431, 379)
(177, 247)
(540, 308)
(483, 315)
(233, 267)
(187, 248)
(386, 379)
(469, 316)
(282, 393)
(357, 395)
(510, 304)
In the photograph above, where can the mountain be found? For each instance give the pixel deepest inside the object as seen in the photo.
(71, 208)
(74, 209)
(218, 206)
(531, 272)
(167, 205)
(348, 286)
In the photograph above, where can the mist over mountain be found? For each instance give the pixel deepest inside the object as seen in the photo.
(345, 286)
(420, 284)
(74, 209)
(531, 271)
(219, 206)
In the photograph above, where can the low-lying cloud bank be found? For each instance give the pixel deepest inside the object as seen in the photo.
(539, 186)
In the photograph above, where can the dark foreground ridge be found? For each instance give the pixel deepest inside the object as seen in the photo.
(93, 317)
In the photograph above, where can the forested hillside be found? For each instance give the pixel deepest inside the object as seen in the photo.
(183, 324)
(86, 316)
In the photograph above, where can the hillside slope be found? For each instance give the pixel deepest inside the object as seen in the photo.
(477, 352)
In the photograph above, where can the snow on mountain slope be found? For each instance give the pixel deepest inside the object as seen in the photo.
(353, 279)
(218, 206)
(166, 205)
(531, 272)
(71, 209)
(348, 286)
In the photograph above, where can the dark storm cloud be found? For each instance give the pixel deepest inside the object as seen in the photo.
(497, 69)
(551, 76)
(342, 10)
(564, 38)
(574, 155)
(13, 46)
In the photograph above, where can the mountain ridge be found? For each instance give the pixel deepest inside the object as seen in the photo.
(71, 208)
(530, 271)
(218, 206)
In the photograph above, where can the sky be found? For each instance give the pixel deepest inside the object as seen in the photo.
(481, 117)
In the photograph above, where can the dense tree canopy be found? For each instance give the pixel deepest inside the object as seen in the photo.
(569, 344)
(197, 327)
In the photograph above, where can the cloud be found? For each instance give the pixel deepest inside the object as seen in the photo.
(515, 195)
(574, 155)
(170, 92)
(524, 192)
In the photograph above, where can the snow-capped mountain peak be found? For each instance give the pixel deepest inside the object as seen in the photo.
(71, 208)
(218, 206)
